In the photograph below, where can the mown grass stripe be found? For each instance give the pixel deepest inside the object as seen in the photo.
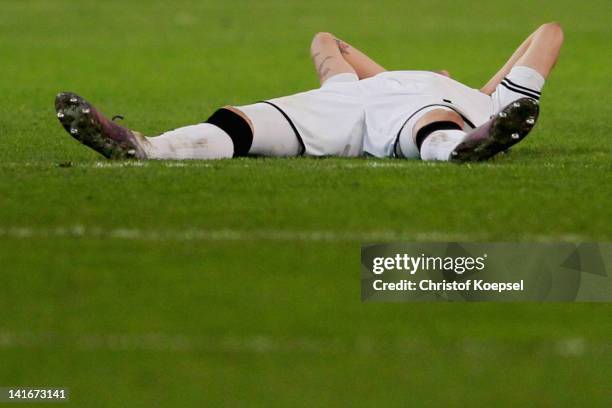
(259, 343)
(138, 234)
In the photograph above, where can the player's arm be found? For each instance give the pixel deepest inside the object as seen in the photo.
(332, 56)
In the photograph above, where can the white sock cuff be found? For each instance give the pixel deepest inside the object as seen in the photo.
(440, 143)
(527, 77)
(407, 143)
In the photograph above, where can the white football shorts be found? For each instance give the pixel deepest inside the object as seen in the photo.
(474, 106)
(328, 121)
(375, 116)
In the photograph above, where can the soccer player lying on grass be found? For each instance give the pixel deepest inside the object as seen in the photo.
(360, 109)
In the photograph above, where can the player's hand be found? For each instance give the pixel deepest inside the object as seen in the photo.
(443, 72)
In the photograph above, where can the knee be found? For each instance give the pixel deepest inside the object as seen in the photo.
(554, 31)
(439, 115)
(444, 115)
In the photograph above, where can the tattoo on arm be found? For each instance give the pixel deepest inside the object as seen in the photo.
(322, 70)
(343, 47)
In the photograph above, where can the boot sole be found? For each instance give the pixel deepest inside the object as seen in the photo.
(76, 116)
(509, 127)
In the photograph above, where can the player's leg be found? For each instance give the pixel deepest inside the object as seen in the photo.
(539, 52)
(435, 134)
(86, 124)
(90, 127)
(438, 134)
(506, 128)
(257, 129)
(225, 134)
(543, 52)
(528, 68)
(515, 91)
(528, 75)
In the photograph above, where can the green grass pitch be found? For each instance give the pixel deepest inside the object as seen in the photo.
(236, 283)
